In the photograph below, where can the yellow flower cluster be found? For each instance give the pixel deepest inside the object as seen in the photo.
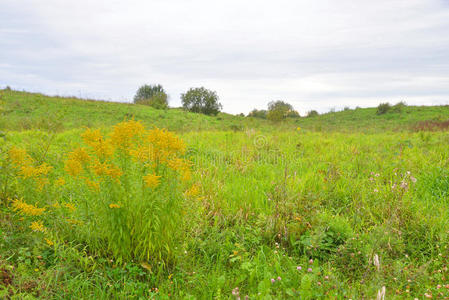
(114, 205)
(152, 180)
(125, 134)
(108, 169)
(26, 209)
(19, 157)
(193, 191)
(95, 140)
(152, 148)
(38, 226)
(24, 163)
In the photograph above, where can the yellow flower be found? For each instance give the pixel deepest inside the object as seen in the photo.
(193, 191)
(79, 154)
(19, 156)
(114, 205)
(93, 186)
(27, 209)
(60, 181)
(95, 140)
(152, 180)
(38, 226)
(70, 206)
(104, 168)
(299, 128)
(73, 167)
(49, 242)
(73, 221)
(124, 133)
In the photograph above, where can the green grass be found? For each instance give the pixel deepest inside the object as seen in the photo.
(329, 197)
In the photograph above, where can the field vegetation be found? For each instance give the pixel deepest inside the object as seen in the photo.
(102, 200)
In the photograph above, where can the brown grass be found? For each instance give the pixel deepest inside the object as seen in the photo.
(431, 125)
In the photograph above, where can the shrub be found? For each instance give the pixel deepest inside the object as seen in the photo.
(383, 108)
(158, 101)
(262, 114)
(152, 95)
(398, 107)
(312, 113)
(201, 100)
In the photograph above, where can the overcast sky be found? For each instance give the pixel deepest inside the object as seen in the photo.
(314, 54)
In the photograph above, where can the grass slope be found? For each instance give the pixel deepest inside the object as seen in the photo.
(349, 204)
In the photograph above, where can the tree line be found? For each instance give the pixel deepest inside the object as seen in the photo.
(202, 100)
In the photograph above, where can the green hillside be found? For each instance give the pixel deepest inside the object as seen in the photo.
(24, 111)
(93, 205)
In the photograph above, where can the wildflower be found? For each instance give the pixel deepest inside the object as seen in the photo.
(38, 226)
(49, 242)
(299, 268)
(235, 292)
(326, 277)
(19, 156)
(309, 270)
(70, 206)
(193, 191)
(73, 221)
(73, 167)
(60, 181)
(27, 209)
(152, 180)
(273, 280)
(79, 154)
(318, 283)
(95, 140)
(311, 261)
(93, 186)
(279, 278)
(413, 179)
(114, 205)
(376, 190)
(124, 133)
(298, 129)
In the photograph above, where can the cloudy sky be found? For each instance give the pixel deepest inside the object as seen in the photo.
(314, 54)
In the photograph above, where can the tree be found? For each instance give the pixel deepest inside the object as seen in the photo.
(279, 110)
(152, 95)
(201, 100)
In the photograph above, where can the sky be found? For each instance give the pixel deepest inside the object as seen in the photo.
(314, 54)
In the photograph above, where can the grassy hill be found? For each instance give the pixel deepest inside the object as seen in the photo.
(24, 111)
(350, 203)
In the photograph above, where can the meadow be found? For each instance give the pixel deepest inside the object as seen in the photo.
(106, 200)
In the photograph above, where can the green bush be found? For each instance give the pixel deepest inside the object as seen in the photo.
(255, 113)
(383, 108)
(152, 95)
(398, 107)
(158, 101)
